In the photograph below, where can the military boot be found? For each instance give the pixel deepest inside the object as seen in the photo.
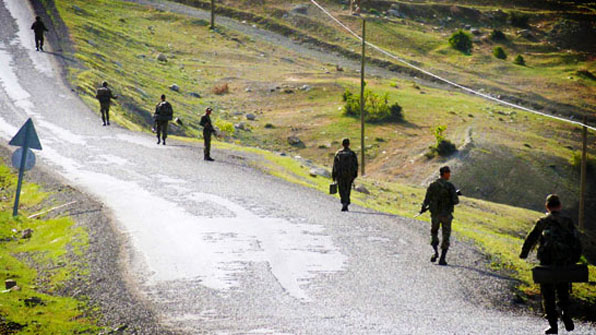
(569, 326)
(554, 327)
(442, 260)
(436, 255)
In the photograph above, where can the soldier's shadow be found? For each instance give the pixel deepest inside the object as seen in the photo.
(375, 213)
(486, 273)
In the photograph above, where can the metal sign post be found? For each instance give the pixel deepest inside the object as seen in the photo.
(23, 159)
(362, 100)
(582, 187)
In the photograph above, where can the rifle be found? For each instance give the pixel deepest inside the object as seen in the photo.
(422, 211)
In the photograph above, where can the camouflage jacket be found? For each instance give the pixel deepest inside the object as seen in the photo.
(441, 197)
(163, 111)
(345, 165)
(557, 239)
(207, 125)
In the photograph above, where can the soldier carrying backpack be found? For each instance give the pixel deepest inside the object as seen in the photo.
(558, 245)
(441, 197)
(345, 170)
(163, 114)
(104, 96)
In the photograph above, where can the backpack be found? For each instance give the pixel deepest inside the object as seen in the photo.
(103, 95)
(561, 244)
(164, 111)
(345, 164)
(440, 200)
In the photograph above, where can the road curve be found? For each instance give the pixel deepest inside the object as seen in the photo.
(220, 248)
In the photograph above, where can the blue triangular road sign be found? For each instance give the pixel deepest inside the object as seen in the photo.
(27, 130)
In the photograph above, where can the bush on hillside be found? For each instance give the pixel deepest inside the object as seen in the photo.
(376, 107)
(586, 74)
(497, 36)
(461, 41)
(519, 20)
(221, 89)
(442, 147)
(519, 60)
(499, 52)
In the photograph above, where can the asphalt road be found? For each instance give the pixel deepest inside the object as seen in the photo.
(220, 248)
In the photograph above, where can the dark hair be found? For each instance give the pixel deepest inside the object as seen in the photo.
(444, 170)
(38, 18)
(553, 201)
(104, 84)
(345, 142)
(163, 96)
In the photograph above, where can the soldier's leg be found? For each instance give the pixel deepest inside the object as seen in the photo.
(563, 295)
(446, 231)
(107, 114)
(207, 149)
(164, 131)
(158, 131)
(344, 192)
(103, 114)
(434, 230)
(41, 42)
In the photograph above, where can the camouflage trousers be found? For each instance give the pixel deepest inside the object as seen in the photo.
(161, 128)
(443, 222)
(105, 112)
(345, 188)
(549, 294)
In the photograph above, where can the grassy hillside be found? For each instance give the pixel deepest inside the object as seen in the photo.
(504, 155)
(42, 265)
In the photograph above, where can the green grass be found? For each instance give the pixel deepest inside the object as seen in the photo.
(42, 266)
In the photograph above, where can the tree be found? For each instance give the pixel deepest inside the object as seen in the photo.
(519, 60)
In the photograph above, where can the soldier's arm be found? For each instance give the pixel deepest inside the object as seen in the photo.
(532, 238)
(334, 169)
(426, 201)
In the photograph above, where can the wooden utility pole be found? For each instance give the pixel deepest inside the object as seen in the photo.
(582, 188)
(212, 15)
(362, 148)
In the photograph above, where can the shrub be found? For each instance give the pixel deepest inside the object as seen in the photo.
(499, 52)
(461, 41)
(519, 20)
(225, 127)
(497, 35)
(376, 107)
(442, 147)
(221, 89)
(585, 74)
(519, 60)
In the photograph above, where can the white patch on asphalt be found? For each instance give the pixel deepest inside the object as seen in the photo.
(109, 160)
(21, 11)
(10, 82)
(139, 140)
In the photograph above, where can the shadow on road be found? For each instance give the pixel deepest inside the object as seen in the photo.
(486, 273)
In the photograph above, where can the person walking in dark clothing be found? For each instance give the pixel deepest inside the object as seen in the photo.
(345, 170)
(441, 198)
(105, 95)
(163, 114)
(559, 246)
(208, 130)
(38, 28)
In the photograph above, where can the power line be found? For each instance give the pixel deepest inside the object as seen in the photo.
(447, 81)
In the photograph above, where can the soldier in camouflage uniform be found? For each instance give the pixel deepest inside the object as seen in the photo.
(105, 96)
(559, 246)
(345, 170)
(163, 114)
(441, 197)
(208, 130)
